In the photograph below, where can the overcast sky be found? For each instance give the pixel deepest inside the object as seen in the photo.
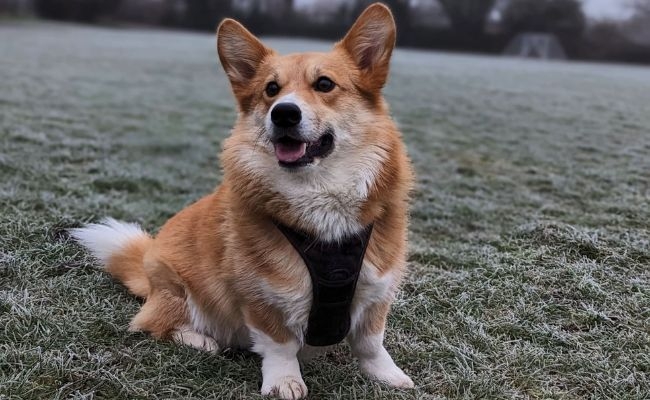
(600, 9)
(597, 9)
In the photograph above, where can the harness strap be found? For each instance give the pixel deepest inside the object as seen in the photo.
(334, 269)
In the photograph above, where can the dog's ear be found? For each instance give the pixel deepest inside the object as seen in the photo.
(240, 52)
(370, 43)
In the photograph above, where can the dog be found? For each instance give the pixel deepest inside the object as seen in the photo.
(304, 243)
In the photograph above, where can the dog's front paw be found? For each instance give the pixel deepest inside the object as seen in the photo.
(389, 374)
(285, 387)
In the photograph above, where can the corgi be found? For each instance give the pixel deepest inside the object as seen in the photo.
(304, 243)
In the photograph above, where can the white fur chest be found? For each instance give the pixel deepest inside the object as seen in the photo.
(328, 200)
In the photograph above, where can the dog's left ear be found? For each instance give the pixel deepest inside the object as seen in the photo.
(240, 52)
(370, 43)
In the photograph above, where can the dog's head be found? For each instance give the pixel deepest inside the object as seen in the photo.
(302, 108)
(314, 145)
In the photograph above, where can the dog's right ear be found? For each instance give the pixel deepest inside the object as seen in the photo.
(240, 52)
(370, 43)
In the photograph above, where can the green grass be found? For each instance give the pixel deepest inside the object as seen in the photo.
(530, 243)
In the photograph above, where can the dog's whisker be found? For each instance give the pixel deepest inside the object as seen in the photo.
(259, 137)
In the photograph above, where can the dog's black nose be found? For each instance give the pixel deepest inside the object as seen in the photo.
(286, 115)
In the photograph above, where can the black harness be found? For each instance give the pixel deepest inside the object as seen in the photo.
(334, 269)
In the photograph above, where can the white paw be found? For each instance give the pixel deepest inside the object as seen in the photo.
(285, 387)
(389, 374)
(197, 340)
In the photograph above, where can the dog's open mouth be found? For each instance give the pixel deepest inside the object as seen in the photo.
(292, 153)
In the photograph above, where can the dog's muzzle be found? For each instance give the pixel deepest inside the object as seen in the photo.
(292, 148)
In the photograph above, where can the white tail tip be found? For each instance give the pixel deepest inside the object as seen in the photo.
(106, 238)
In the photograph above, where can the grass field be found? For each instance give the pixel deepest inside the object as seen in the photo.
(530, 241)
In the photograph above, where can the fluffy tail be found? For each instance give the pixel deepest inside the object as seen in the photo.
(120, 246)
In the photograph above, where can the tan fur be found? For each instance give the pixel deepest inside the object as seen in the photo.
(222, 259)
(127, 267)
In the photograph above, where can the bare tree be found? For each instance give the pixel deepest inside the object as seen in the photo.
(638, 27)
(468, 17)
(564, 18)
(554, 16)
(642, 7)
(75, 10)
(205, 14)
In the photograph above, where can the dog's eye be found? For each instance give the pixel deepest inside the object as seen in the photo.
(272, 88)
(324, 84)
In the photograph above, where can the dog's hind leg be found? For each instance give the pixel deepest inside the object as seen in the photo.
(165, 313)
(161, 314)
(165, 316)
(188, 336)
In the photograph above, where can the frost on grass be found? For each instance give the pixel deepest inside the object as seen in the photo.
(530, 247)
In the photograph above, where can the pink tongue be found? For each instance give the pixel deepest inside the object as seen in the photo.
(290, 152)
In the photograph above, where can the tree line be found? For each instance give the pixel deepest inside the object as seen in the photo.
(484, 26)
